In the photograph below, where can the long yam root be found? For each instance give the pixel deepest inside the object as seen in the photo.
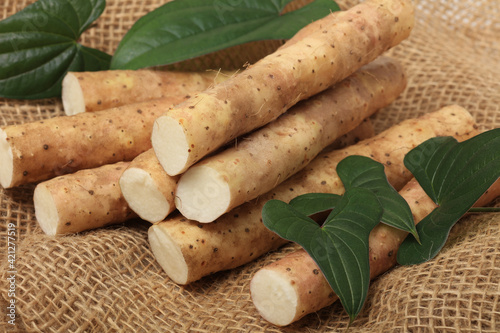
(95, 91)
(287, 290)
(283, 147)
(188, 250)
(45, 149)
(87, 199)
(347, 41)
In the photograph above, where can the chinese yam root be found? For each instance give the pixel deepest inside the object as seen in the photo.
(347, 41)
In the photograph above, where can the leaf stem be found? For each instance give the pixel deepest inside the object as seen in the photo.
(484, 210)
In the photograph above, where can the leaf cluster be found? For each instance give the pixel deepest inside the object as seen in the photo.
(453, 174)
(39, 44)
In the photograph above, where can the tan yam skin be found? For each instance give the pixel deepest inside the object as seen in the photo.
(311, 292)
(272, 154)
(239, 236)
(148, 190)
(44, 149)
(265, 90)
(108, 89)
(364, 131)
(87, 199)
(151, 193)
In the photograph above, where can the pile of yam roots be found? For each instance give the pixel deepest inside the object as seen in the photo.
(198, 154)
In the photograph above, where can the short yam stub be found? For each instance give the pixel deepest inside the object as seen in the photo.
(85, 200)
(274, 297)
(46, 210)
(148, 190)
(207, 192)
(168, 254)
(143, 196)
(72, 95)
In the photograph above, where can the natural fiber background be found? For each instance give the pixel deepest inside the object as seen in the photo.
(108, 281)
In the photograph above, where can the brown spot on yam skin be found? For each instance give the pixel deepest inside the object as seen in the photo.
(94, 193)
(107, 89)
(96, 138)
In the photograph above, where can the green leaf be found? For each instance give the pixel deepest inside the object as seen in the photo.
(339, 247)
(181, 30)
(313, 203)
(38, 46)
(361, 171)
(455, 175)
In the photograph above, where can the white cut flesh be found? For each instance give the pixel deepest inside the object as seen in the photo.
(45, 210)
(202, 194)
(142, 195)
(168, 254)
(170, 145)
(274, 297)
(6, 161)
(72, 95)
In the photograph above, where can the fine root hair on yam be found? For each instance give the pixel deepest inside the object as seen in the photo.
(148, 190)
(168, 254)
(272, 154)
(6, 161)
(214, 117)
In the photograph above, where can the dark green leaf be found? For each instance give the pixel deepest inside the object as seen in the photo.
(339, 247)
(313, 203)
(361, 171)
(38, 45)
(455, 176)
(424, 160)
(181, 30)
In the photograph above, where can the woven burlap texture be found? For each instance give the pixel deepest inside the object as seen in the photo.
(107, 280)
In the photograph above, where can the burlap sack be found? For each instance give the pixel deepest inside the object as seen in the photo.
(108, 281)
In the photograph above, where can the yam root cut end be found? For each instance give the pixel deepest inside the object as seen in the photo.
(72, 95)
(45, 210)
(168, 254)
(202, 194)
(6, 161)
(143, 196)
(170, 145)
(274, 297)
